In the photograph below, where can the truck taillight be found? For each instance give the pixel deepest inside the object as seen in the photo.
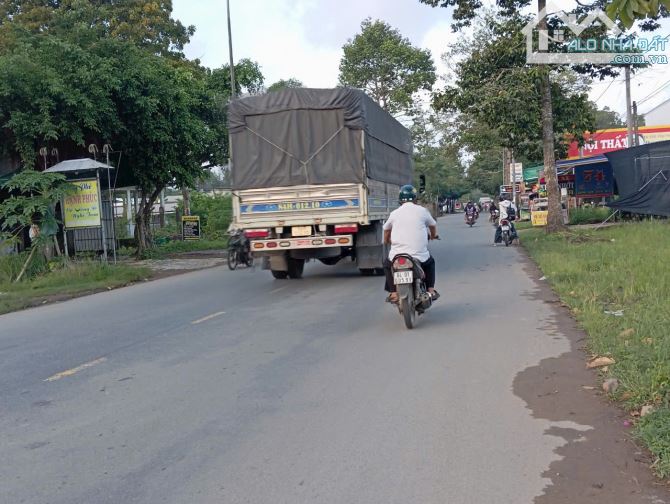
(257, 233)
(346, 228)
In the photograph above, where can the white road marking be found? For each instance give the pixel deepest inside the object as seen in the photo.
(70, 372)
(280, 289)
(208, 317)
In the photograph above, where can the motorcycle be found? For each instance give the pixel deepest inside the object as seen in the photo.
(470, 219)
(409, 280)
(239, 250)
(495, 215)
(506, 227)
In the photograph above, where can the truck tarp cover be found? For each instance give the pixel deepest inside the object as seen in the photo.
(312, 136)
(642, 176)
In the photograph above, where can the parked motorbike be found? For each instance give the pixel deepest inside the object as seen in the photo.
(239, 250)
(413, 296)
(506, 227)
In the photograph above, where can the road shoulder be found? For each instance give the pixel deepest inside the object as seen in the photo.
(604, 464)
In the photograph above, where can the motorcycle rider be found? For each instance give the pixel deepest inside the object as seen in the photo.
(471, 210)
(492, 210)
(408, 230)
(506, 214)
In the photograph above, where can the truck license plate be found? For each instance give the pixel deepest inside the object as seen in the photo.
(402, 277)
(301, 231)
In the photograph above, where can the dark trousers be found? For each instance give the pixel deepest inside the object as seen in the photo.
(498, 237)
(428, 269)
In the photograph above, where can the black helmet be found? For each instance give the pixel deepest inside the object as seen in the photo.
(407, 193)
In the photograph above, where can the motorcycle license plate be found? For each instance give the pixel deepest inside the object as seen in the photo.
(505, 228)
(403, 277)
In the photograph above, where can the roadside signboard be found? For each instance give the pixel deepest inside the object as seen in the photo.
(82, 209)
(516, 170)
(594, 181)
(610, 140)
(539, 217)
(190, 227)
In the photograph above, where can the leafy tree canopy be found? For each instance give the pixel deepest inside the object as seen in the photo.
(147, 24)
(382, 62)
(494, 86)
(290, 83)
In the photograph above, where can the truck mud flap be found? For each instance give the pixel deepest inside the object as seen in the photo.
(369, 248)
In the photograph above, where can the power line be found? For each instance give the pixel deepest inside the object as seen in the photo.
(606, 89)
(655, 92)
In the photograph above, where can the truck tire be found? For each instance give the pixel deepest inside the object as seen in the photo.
(367, 271)
(279, 275)
(295, 267)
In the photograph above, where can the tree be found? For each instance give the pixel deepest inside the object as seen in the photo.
(382, 62)
(625, 10)
(628, 11)
(74, 73)
(145, 24)
(290, 83)
(606, 119)
(33, 198)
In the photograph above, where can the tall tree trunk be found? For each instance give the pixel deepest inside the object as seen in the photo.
(186, 199)
(143, 222)
(555, 213)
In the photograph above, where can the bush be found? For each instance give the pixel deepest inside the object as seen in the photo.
(589, 215)
(216, 213)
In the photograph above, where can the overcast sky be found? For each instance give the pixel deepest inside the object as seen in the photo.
(304, 38)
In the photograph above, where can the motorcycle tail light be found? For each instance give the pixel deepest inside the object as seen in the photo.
(402, 263)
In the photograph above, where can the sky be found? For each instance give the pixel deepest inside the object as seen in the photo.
(303, 39)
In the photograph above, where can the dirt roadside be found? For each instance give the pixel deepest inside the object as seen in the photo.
(602, 465)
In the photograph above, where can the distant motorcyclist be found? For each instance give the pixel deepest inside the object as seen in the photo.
(509, 212)
(493, 209)
(471, 210)
(408, 230)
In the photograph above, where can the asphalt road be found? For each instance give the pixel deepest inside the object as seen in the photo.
(232, 387)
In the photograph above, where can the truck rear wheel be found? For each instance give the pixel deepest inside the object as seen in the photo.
(295, 267)
(367, 271)
(279, 275)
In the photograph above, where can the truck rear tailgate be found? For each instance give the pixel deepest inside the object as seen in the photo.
(300, 205)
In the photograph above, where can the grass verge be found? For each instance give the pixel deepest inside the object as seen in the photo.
(182, 247)
(73, 279)
(622, 270)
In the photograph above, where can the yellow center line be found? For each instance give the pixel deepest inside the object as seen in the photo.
(70, 372)
(208, 317)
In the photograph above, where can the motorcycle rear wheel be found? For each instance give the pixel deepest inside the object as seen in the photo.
(506, 239)
(232, 259)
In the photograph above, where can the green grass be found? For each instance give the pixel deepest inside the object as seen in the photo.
(75, 278)
(589, 215)
(181, 247)
(620, 268)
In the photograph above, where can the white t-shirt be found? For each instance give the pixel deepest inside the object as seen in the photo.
(504, 205)
(409, 231)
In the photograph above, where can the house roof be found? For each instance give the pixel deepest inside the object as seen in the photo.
(75, 165)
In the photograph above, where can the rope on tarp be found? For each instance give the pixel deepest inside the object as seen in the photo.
(302, 163)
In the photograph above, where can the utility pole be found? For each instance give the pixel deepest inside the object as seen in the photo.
(230, 54)
(629, 112)
(636, 128)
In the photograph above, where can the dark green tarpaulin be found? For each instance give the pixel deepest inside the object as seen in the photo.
(313, 136)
